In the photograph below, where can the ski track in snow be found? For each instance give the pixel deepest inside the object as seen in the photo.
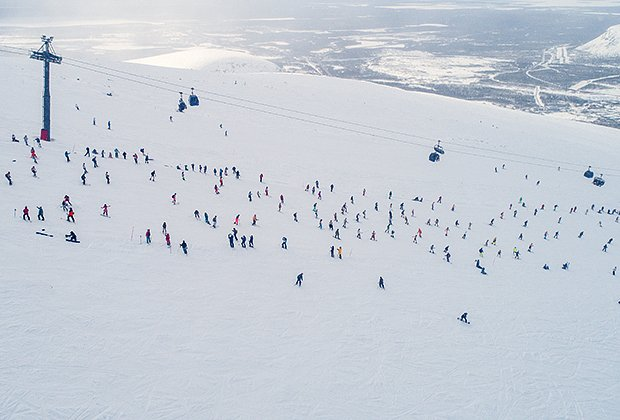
(113, 328)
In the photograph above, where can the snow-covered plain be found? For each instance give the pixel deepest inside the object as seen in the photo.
(115, 328)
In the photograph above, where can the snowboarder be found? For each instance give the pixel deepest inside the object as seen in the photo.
(71, 237)
(464, 318)
(40, 214)
(183, 246)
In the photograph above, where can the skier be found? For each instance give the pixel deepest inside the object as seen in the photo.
(67, 156)
(167, 239)
(8, 177)
(147, 235)
(613, 272)
(284, 244)
(70, 215)
(105, 210)
(231, 240)
(26, 214)
(464, 318)
(152, 178)
(300, 279)
(243, 239)
(183, 246)
(381, 285)
(251, 241)
(107, 178)
(339, 252)
(40, 214)
(34, 171)
(174, 198)
(196, 214)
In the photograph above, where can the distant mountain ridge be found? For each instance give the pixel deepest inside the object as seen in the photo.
(606, 45)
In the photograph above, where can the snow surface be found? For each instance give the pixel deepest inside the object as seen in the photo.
(606, 45)
(115, 328)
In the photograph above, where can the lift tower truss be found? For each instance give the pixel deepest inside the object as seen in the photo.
(46, 54)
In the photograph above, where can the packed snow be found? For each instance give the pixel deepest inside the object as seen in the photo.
(113, 327)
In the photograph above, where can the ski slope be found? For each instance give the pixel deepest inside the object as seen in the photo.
(115, 328)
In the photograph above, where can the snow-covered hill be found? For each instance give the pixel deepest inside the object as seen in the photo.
(113, 327)
(210, 59)
(607, 45)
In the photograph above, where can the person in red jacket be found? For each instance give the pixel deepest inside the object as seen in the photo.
(148, 236)
(70, 215)
(26, 214)
(168, 240)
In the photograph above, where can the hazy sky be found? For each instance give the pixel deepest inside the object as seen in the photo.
(68, 10)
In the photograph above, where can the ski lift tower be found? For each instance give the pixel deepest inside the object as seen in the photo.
(46, 54)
